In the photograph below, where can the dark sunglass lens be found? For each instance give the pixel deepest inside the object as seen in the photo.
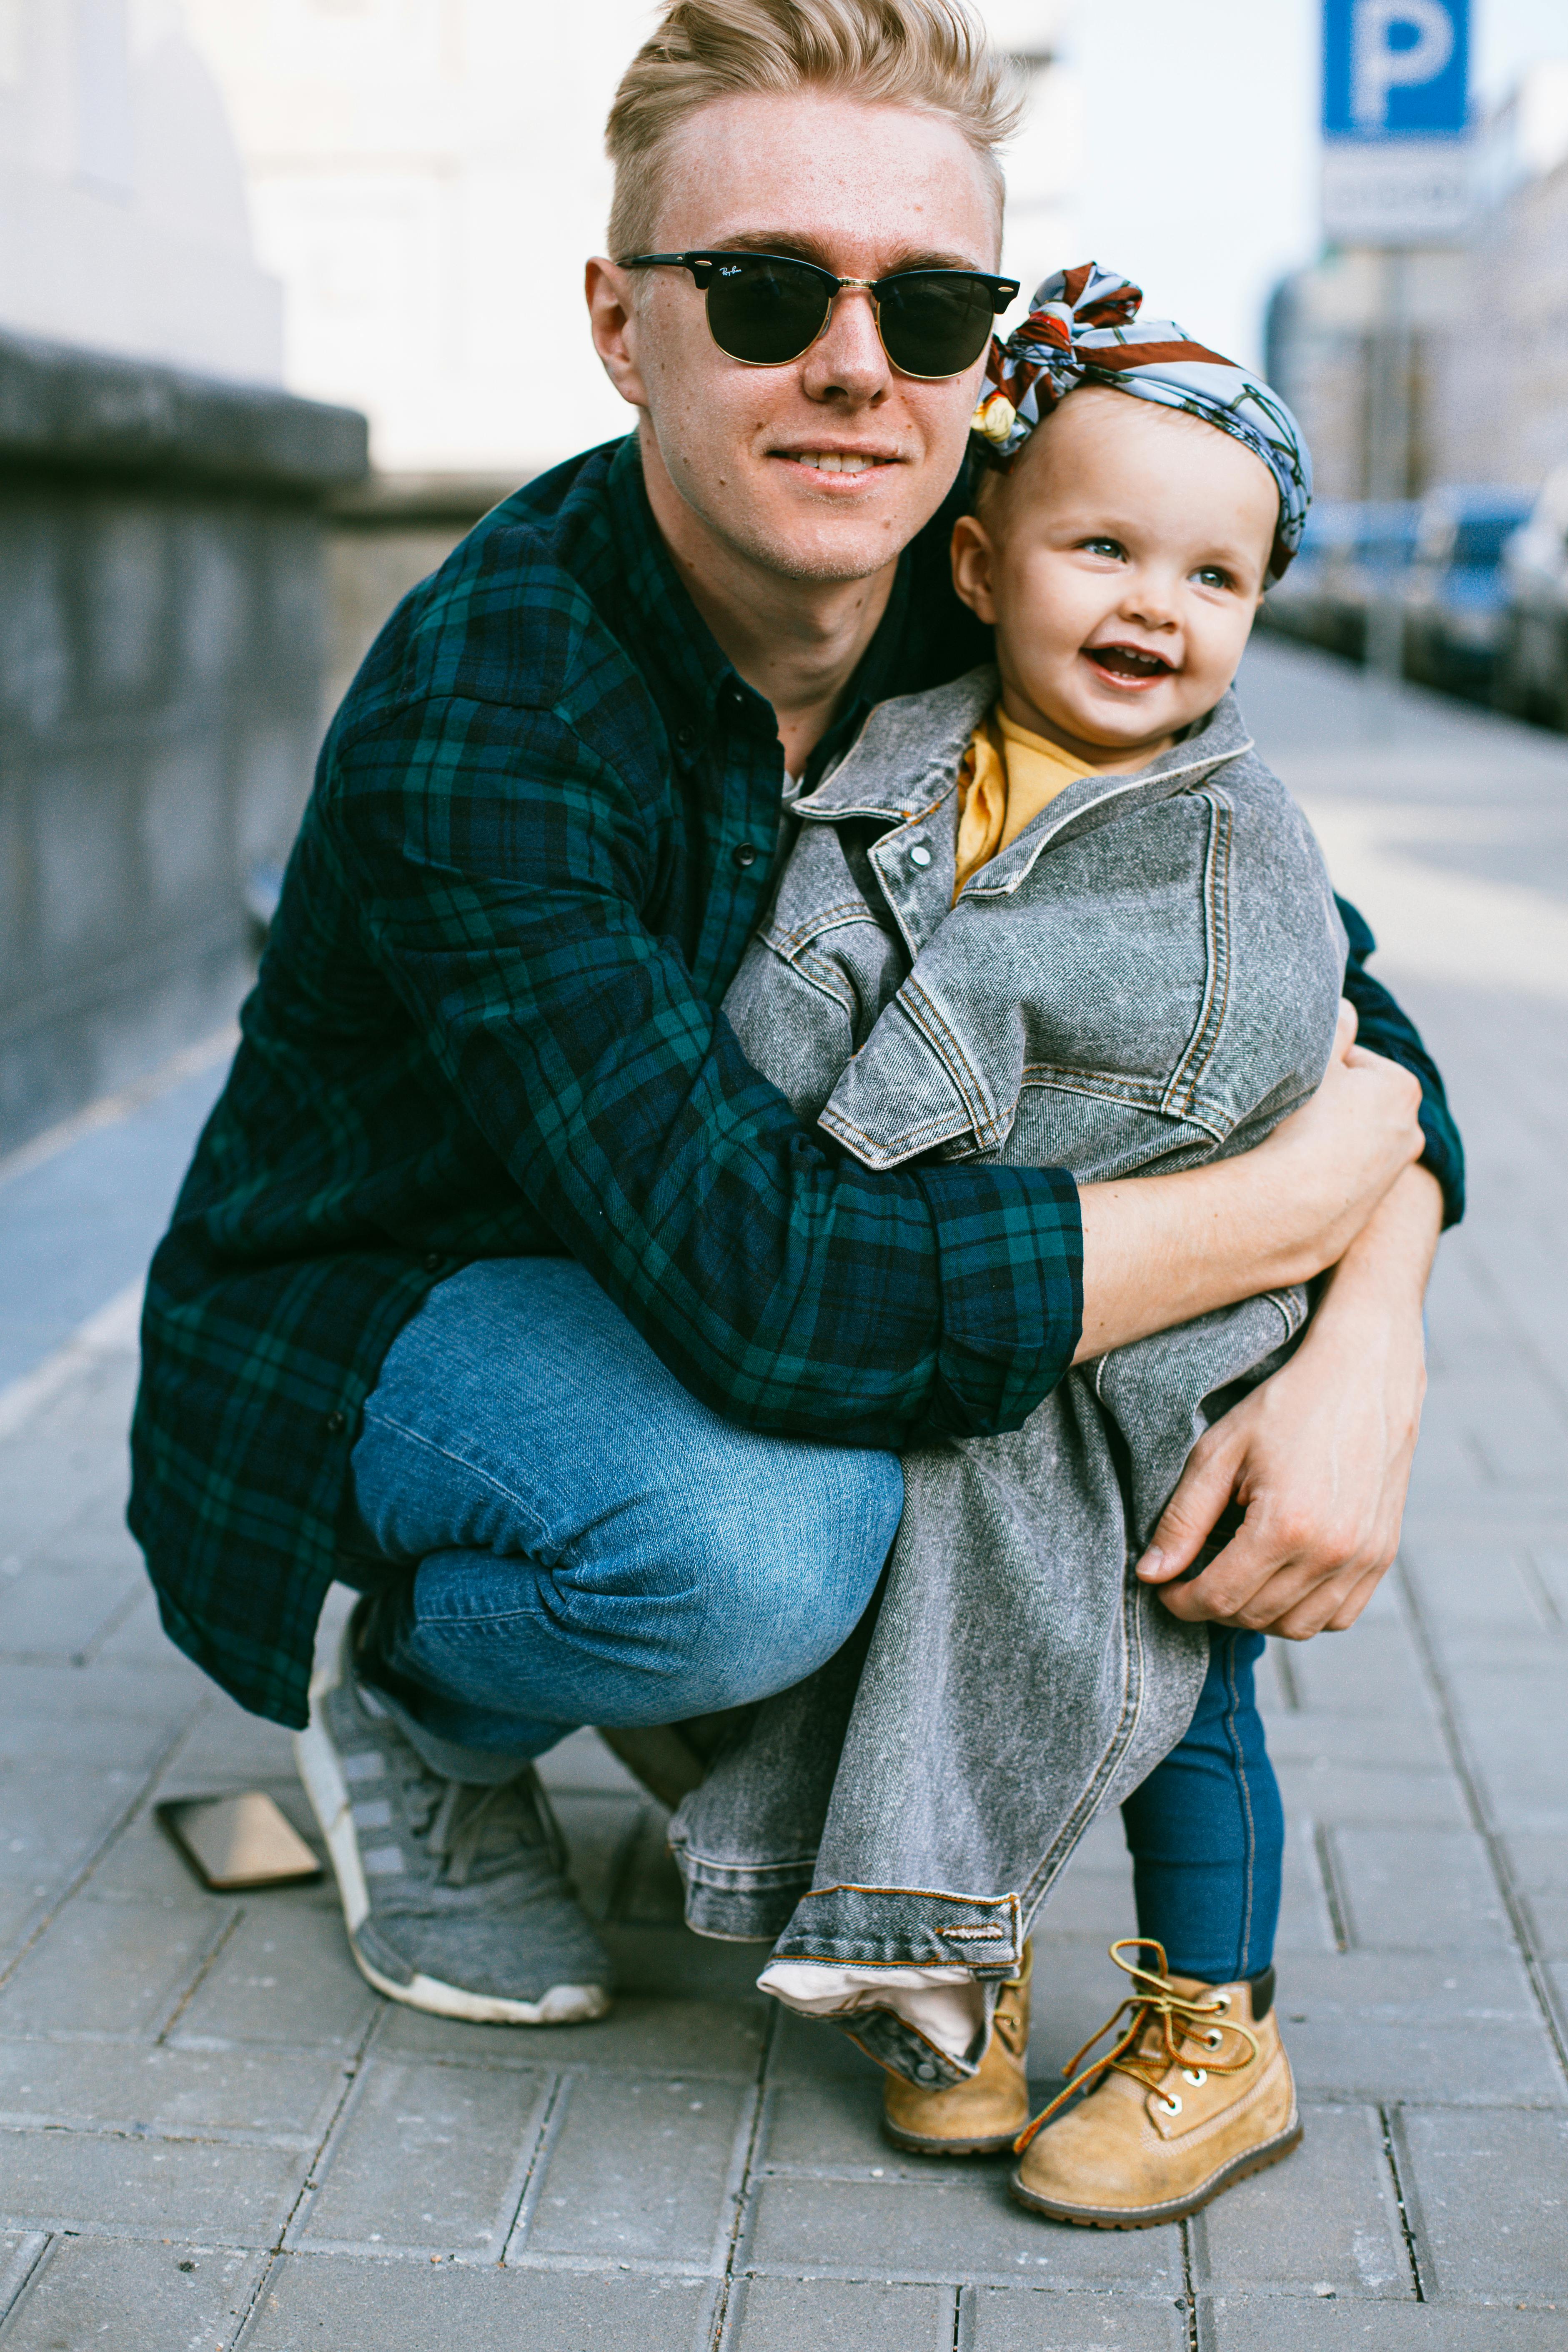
(935, 322)
(765, 311)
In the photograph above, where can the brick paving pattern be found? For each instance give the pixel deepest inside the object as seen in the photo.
(212, 2133)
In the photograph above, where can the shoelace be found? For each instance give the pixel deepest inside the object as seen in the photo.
(458, 1813)
(1156, 1999)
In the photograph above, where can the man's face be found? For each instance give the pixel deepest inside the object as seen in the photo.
(863, 191)
(1123, 563)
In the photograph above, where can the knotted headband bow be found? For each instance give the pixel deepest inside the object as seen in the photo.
(1083, 328)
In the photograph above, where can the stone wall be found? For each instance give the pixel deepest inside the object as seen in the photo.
(163, 650)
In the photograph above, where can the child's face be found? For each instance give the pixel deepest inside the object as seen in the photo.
(1123, 562)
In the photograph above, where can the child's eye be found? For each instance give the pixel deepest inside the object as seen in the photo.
(1214, 575)
(1111, 547)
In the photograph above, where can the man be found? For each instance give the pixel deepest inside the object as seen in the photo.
(501, 1286)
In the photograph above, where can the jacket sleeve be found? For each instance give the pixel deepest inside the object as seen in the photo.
(499, 866)
(1385, 1029)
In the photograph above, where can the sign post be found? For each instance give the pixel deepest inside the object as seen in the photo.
(1396, 175)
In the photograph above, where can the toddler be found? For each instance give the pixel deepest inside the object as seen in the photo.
(1057, 914)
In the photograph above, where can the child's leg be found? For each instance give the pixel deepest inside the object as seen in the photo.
(1206, 1831)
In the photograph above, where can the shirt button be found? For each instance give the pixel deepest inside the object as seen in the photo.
(335, 1424)
(919, 855)
(685, 738)
(744, 854)
(433, 1260)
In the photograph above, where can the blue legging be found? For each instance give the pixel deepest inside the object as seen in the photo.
(1206, 1831)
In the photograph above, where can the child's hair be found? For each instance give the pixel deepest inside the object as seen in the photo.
(931, 55)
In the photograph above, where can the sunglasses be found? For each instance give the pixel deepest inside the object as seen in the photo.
(766, 309)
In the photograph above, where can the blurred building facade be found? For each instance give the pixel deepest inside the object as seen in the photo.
(162, 556)
(1487, 347)
(122, 192)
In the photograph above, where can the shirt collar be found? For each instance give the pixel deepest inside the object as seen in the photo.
(686, 668)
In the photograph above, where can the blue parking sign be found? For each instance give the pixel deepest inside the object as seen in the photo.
(1395, 68)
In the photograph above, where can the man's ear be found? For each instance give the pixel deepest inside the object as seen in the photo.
(974, 563)
(613, 325)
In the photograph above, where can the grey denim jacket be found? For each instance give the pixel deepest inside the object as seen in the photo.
(1147, 977)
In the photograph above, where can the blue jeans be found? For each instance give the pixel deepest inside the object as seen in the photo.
(573, 1538)
(557, 1533)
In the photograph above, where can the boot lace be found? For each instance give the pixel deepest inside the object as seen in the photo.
(1161, 2021)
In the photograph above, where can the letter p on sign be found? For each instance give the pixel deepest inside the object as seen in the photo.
(1381, 61)
(1395, 68)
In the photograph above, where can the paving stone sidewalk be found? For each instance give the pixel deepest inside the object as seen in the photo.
(212, 2133)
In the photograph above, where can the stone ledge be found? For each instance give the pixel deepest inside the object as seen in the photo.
(93, 412)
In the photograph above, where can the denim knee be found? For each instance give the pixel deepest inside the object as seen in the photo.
(762, 1584)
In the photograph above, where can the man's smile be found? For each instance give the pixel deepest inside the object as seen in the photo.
(844, 468)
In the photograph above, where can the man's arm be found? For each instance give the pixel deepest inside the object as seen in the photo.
(1383, 1028)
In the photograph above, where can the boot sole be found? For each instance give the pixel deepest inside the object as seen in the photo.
(998, 2144)
(316, 1760)
(1177, 2209)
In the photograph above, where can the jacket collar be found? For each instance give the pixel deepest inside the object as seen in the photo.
(904, 767)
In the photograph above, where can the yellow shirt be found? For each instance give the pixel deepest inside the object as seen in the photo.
(1007, 777)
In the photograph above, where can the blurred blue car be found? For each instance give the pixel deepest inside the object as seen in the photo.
(1458, 593)
(1353, 553)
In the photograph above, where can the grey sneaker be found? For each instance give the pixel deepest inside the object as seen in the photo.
(456, 1895)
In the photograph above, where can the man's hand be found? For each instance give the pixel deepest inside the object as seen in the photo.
(1318, 1457)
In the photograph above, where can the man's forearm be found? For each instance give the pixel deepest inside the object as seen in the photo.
(1384, 1273)
(1158, 1250)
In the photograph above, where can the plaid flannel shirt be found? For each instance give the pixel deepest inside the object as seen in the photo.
(543, 827)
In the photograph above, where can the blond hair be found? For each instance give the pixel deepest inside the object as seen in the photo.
(931, 55)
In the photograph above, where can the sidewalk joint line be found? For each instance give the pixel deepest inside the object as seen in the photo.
(739, 2188)
(227, 1929)
(121, 1822)
(1480, 1815)
(1406, 2220)
(1333, 1886)
(20, 2271)
(551, 2107)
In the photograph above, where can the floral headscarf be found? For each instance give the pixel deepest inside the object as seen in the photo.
(1083, 328)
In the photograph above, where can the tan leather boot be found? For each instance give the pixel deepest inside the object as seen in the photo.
(983, 2116)
(1195, 2094)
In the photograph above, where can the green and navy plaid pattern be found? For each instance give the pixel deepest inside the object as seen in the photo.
(486, 1024)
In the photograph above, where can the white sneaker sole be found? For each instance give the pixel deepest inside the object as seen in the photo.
(317, 1761)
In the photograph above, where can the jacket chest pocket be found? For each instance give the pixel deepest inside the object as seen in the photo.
(815, 978)
(1082, 1009)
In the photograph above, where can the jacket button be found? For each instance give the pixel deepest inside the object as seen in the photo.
(685, 738)
(335, 1424)
(744, 854)
(919, 855)
(433, 1260)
